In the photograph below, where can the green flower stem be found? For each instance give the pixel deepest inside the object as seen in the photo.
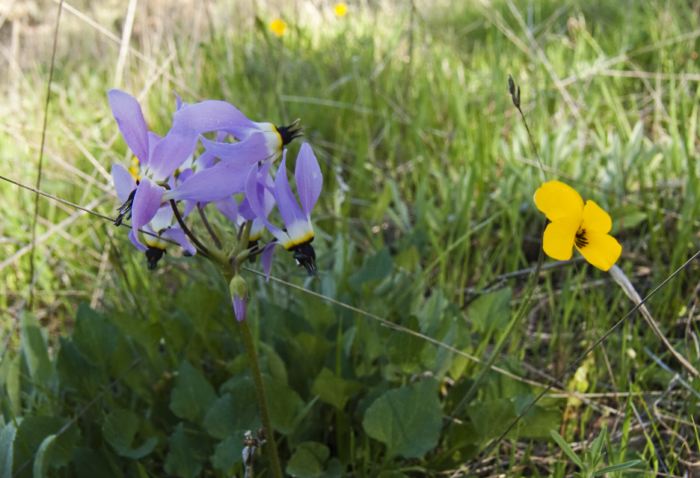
(231, 266)
(271, 445)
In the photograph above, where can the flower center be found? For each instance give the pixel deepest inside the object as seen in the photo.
(289, 132)
(135, 169)
(581, 240)
(153, 255)
(305, 256)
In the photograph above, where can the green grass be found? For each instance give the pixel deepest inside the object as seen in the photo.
(427, 203)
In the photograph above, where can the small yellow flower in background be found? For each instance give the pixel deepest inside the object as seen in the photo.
(340, 9)
(278, 27)
(575, 224)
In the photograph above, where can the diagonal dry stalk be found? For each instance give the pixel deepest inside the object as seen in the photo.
(619, 276)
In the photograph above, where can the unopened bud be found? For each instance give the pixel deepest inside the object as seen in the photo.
(238, 287)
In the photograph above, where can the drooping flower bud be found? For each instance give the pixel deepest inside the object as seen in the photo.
(239, 297)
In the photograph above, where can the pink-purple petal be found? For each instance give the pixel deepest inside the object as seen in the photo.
(147, 201)
(127, 112)
(153, 140)
(252, 149)
(176, 234)
(239, 308)
(134, 238)
(258, 197)
(123, 182)
(286, 202)
(266, 258)
(171, 152)
(309, 178)
(218, 182)
(212, 115)
(229, 208)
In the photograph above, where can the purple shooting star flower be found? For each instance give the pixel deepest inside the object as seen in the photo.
(148, 149)
(256, 143)
(160, 230)
(298, 232)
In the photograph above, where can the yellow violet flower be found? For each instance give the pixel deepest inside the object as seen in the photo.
(575, 224)
(340, 9)
(278, 27)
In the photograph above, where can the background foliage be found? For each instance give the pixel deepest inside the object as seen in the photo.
(426, 225)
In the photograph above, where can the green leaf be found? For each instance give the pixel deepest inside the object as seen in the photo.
(76, 371)
(183, 459)
(10, 381)
(566, 448)
(407, 420)
(334, 390)
(88, 463)
(34, 351)
(42, 459)
(32, 432)
(374, 269)
(119, 429)
(491, 311)
(228, 453)
(491, 417)
(284, 405)
(232, 412)
(101, 342)
(308, 460)
(7, 439)
(93, 335)
(622, 466)
(192, 394)
(275, 364)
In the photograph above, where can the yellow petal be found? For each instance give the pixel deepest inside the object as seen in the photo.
(278, 27)
(558, 240)
(340, 9)
(602, 250)
(595, 218)
(558, 200)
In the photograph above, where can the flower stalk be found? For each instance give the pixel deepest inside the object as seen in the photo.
(271, 445)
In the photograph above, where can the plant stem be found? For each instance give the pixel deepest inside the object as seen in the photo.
(271, 445)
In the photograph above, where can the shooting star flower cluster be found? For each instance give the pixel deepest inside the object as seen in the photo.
(231, 172)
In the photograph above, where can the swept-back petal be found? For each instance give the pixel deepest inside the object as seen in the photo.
(602, 250)
(147, 201)
(153, 140)
(558, 200)
(170, 152)
(218, 182)
(252, 149)
(212, 115)
(286, 202)
(229, 208)
(595, 218)
(558, 240)
(258, 198)
(309, 178)
(133, 237)
(127, 112)
(163, 219)
(177, 235)
(123, 182)
(266, 258)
